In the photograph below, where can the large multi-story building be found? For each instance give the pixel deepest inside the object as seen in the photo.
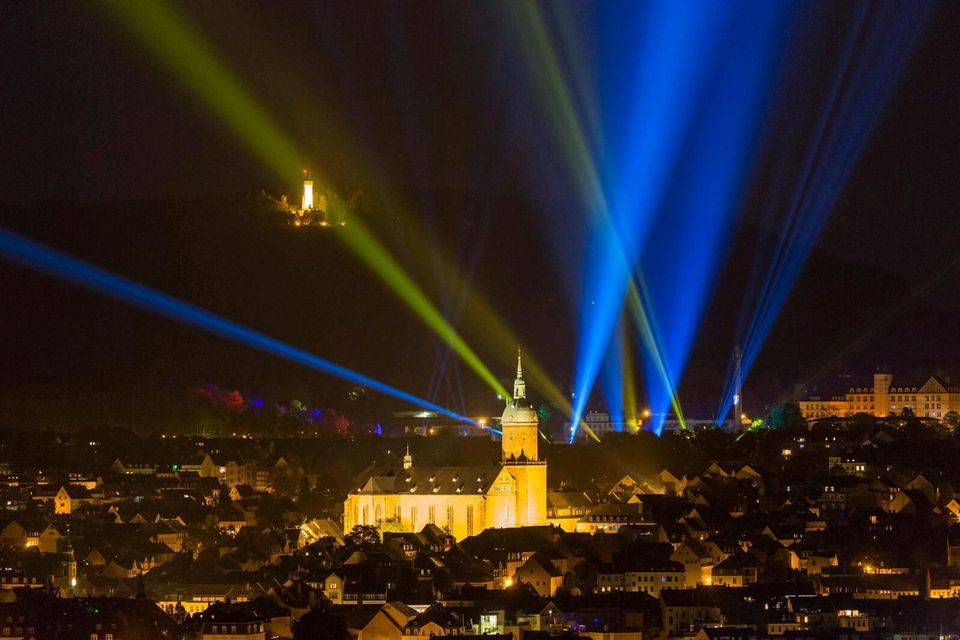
(932, 399)
(462, 500)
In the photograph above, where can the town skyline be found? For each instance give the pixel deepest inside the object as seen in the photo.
(480, 319)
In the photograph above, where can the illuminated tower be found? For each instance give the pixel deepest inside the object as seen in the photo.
(881, 393)
(521, 454)
(69, 564)
(307, 200)
(407, 459)
(519, 421)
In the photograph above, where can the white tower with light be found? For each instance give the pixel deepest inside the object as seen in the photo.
(307, 200)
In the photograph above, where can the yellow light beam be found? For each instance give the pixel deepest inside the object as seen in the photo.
(627, 376)
(172, 40)
(648, 334)
(557, 94)
(487, 326)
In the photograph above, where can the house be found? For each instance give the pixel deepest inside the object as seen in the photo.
(133, 468)
(64, 499)
(647, 568)
(332, 587)
(49, 540)
(738, 570)
(232, 622)
(688, 610)
(13, 534)
(241, 492)
(318, 528)
(609, 517)
(566, 508)
(432, 623)
(388, 622)
(698, 558)
(541, 574)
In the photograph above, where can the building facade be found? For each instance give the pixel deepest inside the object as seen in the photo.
(461, 500)
(933, 399)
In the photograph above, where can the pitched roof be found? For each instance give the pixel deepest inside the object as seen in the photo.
(426, 480)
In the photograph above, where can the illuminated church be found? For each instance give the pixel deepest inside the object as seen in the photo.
(462, 500)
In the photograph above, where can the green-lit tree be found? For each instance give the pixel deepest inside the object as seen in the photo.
(786, 417)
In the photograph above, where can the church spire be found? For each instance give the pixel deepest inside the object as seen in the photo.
(407, 459)
(519, 386)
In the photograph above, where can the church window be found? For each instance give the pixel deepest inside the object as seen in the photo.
(432, 514)
(378, 511)
(450, 519)
(413, 517)
(366, 515)
(469, 519)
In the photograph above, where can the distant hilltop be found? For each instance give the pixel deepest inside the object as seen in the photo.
(313, 209)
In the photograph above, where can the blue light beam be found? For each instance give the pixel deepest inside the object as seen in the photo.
(651, 59)
(682, 93)
(699, 209)
(34, 255)
(873, 55)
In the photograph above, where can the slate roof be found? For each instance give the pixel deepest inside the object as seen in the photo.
(427, 480)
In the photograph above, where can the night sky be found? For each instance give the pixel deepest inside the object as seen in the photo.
(109, 158)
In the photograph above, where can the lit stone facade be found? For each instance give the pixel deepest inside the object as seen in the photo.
(933, 399)
(463, 500)
(307, 200)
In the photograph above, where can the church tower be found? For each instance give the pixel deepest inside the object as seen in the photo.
(521, 457)
(519, 422)
(68, 566)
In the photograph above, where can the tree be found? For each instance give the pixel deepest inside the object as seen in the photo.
(786, 417)
(317, 624)
(952, 420)
(363, 537)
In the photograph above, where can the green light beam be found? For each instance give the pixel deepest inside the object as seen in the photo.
(185, 53)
